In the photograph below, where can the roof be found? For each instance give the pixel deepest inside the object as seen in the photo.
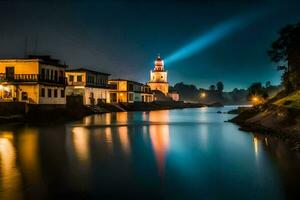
(45, 59)
(119, 79)
(87, 70)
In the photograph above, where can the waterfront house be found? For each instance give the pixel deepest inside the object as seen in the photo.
(126, 91)
(34, 80)
(91, 85)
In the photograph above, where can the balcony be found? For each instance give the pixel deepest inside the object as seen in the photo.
(76, 83)
(18, 78)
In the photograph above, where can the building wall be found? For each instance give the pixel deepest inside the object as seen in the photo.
(158, 76)
(85, 92)
(147, 97)
(52, 100)
(121, 85)
(98, 93)
(137, 97)
(122, 97)
(21, 66)
(163, 87)
(49, 71)
(33, 89)
(129, 92)
(75, 75)
(34, 94)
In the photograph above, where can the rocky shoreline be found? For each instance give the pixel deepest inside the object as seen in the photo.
(277, 121)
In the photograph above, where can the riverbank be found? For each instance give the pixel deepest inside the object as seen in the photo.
(57, 115)
(73, 113)
(273, 119)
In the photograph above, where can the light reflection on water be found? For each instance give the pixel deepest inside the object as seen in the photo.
(177, 154)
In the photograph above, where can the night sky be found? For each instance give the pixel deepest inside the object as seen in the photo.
(124, 37)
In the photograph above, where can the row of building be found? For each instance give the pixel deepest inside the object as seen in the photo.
(43, 80)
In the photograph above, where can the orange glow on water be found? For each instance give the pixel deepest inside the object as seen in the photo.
(10, 177)
(124, 139)
(81, 144)
(160, 138)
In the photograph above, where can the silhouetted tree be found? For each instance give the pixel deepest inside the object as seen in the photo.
(268, 84)
(187, 92)
(256, 89)
(220, 87)
(285, 52)
(212, 88)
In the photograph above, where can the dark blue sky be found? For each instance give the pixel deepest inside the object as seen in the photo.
(124, 37)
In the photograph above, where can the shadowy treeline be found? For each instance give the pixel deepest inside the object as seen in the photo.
(215, 93)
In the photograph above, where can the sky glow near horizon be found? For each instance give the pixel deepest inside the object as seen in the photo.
(215, 34)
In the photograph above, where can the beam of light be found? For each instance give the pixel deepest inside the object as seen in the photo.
(214, 35)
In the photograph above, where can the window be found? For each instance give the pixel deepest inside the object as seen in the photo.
(49, 93)
(71, 78)
(10, 72)
(24, 96)
(47, 74)
(130, 97)
(79, 78)
(55, 92)
(51, 74)
(43, 74)
(130, 87)
(62, 93)
(43, 92)
(55, 75)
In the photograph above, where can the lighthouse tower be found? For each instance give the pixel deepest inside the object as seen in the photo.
(159, 77)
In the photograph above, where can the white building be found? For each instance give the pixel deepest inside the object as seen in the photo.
(91, 85)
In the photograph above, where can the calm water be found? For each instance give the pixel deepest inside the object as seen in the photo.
(177, 154)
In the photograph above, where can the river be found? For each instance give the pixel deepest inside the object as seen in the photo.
(168, 154)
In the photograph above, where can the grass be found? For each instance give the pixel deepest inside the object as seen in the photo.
(291, 101)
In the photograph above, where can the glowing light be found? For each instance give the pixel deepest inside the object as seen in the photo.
(212, 36)
(256, 100)
(202, 94)
(79, 87)
(4, 88)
